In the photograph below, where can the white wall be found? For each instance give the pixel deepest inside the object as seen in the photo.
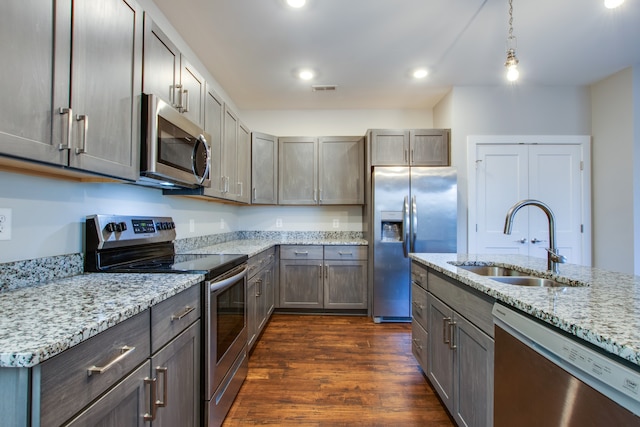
(613, 192)
(333, 122)
(507, 110)
(636, 169)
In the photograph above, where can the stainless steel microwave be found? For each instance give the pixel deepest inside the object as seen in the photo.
(175, 152)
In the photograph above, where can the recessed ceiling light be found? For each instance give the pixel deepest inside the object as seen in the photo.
(612, 4)
(420, 73)
(306, 74)
(296, 3)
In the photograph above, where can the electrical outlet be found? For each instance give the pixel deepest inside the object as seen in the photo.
(5, 224)
(192, 226)
(336, 223)
(278, 222)
(221, 224)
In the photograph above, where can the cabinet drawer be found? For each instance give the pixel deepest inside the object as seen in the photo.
(345, 253)
(173, 316)
(419, 305)
(419, 275)
(300, 252)
(419, 344)
(67, 387)
(258, 261)
(475, 307)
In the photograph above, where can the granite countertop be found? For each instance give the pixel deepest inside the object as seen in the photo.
(253, 247)
(605, 313)
(43, 320)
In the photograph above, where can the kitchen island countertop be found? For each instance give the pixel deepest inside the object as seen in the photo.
(41, 321)
(605, 313)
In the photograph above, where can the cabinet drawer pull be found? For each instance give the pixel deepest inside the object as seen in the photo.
(416, 343)
(180, 316)
(452, 340)
(417, 305)
(445, 330)
(162, 370)
(345, 253)
(124, 352)
(301, 252)
(84, 119)
(152, 386)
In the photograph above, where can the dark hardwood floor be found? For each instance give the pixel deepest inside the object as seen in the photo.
(335, 371)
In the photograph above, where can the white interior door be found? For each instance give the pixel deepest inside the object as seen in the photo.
(508, 173)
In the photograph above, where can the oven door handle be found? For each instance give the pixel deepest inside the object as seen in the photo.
(216, 286)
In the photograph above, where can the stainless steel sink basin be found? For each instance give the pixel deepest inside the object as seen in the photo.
(530, 281)
(492, 270)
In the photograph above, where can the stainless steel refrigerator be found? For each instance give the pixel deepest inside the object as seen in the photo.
(414, 210)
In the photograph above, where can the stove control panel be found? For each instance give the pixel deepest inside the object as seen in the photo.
(104, 231)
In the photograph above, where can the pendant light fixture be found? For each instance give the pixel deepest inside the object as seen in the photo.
(512, 60)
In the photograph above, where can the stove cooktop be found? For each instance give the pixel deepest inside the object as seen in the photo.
(210, 265)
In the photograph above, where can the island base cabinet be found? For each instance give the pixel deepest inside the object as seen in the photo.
(460, 365)
(419, 339)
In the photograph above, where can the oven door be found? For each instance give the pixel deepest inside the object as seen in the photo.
(226, 327)
(175, 149)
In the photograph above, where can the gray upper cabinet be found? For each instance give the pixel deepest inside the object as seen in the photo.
(264, 169)
(389, 147)
(341, 169)
(243, 174)
(213, 117)
(429, 147)
(170, 76)
(325, 170)
(414, 147)
(298, 171)
(54, 111)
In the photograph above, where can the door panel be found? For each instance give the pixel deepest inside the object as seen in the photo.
(501, 180)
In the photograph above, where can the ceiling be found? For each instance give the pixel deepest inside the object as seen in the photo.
(367, 48)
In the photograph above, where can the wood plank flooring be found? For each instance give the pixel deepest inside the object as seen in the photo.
(335, 371)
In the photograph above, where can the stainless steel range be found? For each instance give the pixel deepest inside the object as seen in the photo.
(145, 244)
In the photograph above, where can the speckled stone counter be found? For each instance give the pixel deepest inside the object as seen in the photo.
(253, 247)
(40, 321)
(605, 313)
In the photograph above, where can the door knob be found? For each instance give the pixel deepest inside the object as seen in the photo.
(534, 241)
(523, 240)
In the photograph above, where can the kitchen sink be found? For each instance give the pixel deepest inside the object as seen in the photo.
(491, 270)
(529, 281)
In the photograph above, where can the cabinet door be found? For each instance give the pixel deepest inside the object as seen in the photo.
(106, 77)
(301, 284)
(124, 405)
(268, 291)
(429, 147)
(252, 309)
(341, 168)
(298, 171)
(161, 63)
(192, 92)
(345, 285)
(243, 177)
(213, 119)
(229, 153)
(440, 360)
(389, 147)
(473, 375)
(264, 169)
(35, 75)
(177, 371)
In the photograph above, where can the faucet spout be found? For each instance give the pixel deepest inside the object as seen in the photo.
(553, 257)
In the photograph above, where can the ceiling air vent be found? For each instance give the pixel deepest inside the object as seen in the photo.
(324, 88)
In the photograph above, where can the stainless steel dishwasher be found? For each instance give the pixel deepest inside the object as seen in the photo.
(544, 378)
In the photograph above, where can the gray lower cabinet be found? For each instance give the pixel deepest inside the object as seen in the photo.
(333, 277)
(459, 350)
(260, 293)
(53, 112)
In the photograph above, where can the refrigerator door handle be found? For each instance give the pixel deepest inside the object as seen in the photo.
(414, 223)
(405, 227)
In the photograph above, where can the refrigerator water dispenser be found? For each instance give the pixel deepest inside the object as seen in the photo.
(391, 227)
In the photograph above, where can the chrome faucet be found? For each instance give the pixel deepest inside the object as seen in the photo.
(553, 257)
